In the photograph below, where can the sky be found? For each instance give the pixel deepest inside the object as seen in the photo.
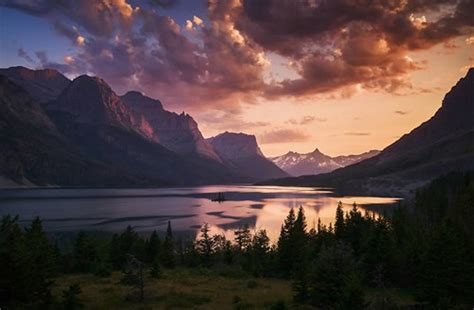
(343, 76)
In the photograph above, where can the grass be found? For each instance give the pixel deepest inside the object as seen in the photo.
(199, 288)
(181, 289)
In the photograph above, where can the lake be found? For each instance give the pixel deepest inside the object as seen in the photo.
(148, 209)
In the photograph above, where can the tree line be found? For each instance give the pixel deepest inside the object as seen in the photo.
(425, 247)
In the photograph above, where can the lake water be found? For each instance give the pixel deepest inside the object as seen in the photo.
(111, 210)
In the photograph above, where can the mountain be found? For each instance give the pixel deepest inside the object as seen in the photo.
(443, 143)
(96, 120)
(297, 164)
(90, 100)
(33, 151)
(42, 85)
(243, 155)
(347, 160)
(177, 132)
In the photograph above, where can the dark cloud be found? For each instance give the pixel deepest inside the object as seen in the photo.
(283, 136)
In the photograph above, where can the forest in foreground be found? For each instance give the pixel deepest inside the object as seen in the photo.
(419, 256)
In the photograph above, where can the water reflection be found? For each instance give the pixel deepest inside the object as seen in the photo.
(261, 207)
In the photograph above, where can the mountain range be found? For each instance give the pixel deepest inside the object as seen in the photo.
(81, 133)
(54, 131)
(297, 164)
(442, 144)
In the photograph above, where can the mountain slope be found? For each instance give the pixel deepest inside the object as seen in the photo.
(42, 85)
(297, 164)
(177, 132)
(243, 155)
(443, 143)
(32, 151)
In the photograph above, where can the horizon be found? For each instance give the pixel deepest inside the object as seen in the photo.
(290, 101)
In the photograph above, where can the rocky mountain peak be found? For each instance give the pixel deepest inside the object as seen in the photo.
(42, 85)
(139, 99)
(177, 132)
(232, 145)
(91, 100)
(316, 162)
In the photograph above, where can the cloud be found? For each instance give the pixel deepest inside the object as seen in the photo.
(230, 120)
(400, 112)
(283, 136)
(23, 54)
(336, 46)
(80, 40)
(305, 120)
(197, 21)
(450, 45)
(357, 134)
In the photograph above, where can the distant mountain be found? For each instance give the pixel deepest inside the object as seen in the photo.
(42, 85)
(242, 154)
(33, 151)
(443, 143)
(177, 132)
(347, 160)
(297, 164)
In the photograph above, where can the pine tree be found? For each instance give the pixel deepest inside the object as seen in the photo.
(260, 249)
(447, 270)
(205, 245)
(339, 224)
(168, 257)
(13, 262)
(243, 238)
(153, 247)
(353, 294)
(328, 276)
(115, 252)
(299, 242)
(41, 263)
(155, 271)
(285, 247)
(85, 253)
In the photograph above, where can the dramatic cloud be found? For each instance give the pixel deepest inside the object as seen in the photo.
(283, 136)
(221, 59)
(337, 43)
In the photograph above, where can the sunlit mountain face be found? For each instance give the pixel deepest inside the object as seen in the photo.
(341, 76)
